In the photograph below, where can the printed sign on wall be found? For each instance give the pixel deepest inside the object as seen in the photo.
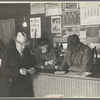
(53, 9)
(70, 18)
(56, 24)
(37, 8)
(35, 27)
(70, 6)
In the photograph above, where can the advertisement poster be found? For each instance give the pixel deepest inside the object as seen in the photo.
(35, 27)
(37, 8)
(70, 6)
(56, 24)
(53, 9)
(70, 18)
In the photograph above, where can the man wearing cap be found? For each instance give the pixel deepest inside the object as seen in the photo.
(79, 57)
(16, 68)
(45, 55)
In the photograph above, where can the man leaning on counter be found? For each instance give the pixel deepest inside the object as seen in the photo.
(74, 73)
(45, 55)
(79, 57)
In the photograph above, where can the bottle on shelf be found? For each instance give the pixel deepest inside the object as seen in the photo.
(95, 59)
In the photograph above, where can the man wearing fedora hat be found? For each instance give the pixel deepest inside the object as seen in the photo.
(79, 57)
(16, 68)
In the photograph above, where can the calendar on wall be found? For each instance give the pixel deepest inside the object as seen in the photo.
(89, 13)
(70, 18)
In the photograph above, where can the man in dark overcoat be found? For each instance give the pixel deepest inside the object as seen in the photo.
(16, 68)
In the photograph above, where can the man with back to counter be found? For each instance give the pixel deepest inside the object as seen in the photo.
(79, 57)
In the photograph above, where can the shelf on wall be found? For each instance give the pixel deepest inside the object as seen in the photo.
(62, 39)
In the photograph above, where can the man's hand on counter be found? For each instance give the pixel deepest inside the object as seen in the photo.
(31, 70)
(50, 62)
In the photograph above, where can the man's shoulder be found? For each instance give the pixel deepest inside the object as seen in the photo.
(37, 49)
(85, 47)
(8, 52)
(51, 49)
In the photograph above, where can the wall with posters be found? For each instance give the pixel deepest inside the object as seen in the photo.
(70, 19)
(19, 11)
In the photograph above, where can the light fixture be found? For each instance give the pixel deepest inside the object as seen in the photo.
(24, 23)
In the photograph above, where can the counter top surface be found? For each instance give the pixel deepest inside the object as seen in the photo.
(84, 75)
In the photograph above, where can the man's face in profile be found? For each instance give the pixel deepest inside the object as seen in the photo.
(44, 48)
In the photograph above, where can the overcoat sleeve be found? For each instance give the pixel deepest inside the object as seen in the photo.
(6, 68)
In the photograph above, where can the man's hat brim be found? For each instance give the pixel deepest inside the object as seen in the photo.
(24, 43)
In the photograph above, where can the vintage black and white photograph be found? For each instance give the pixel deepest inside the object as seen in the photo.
(50, 49)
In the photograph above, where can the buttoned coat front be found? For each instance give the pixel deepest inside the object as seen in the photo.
(12, 83)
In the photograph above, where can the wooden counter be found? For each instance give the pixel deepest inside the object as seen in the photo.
(69, 86)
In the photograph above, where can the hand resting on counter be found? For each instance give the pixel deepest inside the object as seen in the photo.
(31, 70)
(50, 62)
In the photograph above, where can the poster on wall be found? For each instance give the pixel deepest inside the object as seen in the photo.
(70, 18)
(70, 6)
(35, 27)
(66, 31)
(37, 8)
(56, 24)
(89, 13)
(93, 34)
(70, 30)
(53, 9)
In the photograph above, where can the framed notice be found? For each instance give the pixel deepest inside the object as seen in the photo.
(53, 9)
(35, 27)
(56, 24)
(37, 8)
(70, 6)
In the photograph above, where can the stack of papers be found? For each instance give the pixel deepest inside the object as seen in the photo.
(60, 72)
(84, 74)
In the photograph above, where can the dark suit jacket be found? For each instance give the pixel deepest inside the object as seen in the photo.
(12, 82)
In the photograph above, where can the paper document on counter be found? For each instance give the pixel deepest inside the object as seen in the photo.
(83, 74)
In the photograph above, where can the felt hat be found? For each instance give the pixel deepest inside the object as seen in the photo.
(73, 41)
(43, 41)
(21, 38)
